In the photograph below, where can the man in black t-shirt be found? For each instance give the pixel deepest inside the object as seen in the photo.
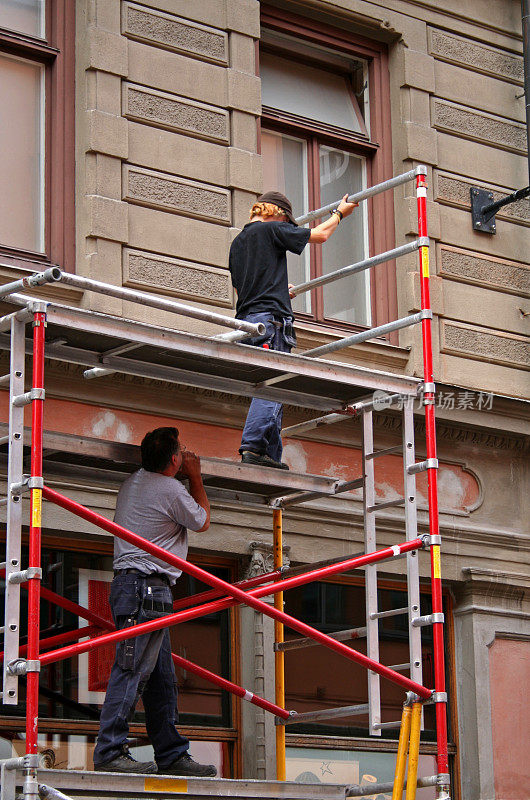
(258, 267)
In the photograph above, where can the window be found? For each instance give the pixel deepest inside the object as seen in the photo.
(36, 132)
(72, 691)
(323, 136)
(317, 678)
(311, 684)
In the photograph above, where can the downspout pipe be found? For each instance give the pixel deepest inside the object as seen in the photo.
(525, 10)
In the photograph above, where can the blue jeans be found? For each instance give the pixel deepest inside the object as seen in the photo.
(143, 668)
(263, 425)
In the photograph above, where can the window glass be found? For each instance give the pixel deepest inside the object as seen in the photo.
(75, 688)
(285, 169)
(316, 678)
(75, 752)
(318, 765)
(348, 298)
(309, 92)
(23, 16)
(22, 146)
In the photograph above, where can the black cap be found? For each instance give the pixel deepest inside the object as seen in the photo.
(280, 200)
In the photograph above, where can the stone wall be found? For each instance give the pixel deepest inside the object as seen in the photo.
(458, 107)
(167, 109)
(167, 139)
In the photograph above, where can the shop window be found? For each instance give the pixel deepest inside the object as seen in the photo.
(74, 751)
(72, 691)
(357, 767)
(318, 678)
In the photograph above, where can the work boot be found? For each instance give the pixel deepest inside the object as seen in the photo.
(249, 457)
(126, 763)
(185, 766)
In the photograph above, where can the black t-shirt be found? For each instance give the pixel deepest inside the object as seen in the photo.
(258, 266)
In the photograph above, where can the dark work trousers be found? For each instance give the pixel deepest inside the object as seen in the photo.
(263, 425)
(143, 667)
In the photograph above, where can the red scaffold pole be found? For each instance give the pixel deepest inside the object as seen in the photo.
(32, 665)
(100, 623)
(58, 639)
(223, 683)
(213, 594)
(249, 598)
(430, 428)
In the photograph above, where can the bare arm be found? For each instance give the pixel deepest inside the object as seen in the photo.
(322, 232)
(191, 466)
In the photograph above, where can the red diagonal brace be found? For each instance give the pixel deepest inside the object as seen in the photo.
(101, 623)
(60, 638)
(249, 598)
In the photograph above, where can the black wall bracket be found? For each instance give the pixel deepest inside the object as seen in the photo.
(483, 209)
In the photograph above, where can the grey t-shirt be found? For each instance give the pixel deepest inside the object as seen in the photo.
(160, 509)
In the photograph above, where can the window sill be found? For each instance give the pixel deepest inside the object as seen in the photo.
(52, 291)
(377, 354)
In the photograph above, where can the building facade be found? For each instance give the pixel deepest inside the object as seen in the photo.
(139, 135)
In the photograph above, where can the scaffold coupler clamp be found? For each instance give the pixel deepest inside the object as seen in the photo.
(20, 486)
(437, 697)
(430, 539)
(443, 782)
(25, 575)
(428, 387)
(281, 721)
(38, 307)
(411, 698)
(29, 761)
(21, 666)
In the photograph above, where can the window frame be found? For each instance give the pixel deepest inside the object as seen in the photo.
(56, 52)
(377, 152)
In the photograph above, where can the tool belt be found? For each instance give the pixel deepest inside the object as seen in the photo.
(149, 604)
(147, 575)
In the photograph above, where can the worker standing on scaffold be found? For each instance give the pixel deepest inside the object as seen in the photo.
(258, 266)
(154, 505)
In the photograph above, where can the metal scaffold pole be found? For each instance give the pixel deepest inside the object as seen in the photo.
(279, 655)
(31, 789)
(440, 696)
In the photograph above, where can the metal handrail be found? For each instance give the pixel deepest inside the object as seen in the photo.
(360, 266)
(56, 275)
(398, 180)
(372, 333)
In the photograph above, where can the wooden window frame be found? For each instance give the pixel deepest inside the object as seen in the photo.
(56, 52)
(377, 152)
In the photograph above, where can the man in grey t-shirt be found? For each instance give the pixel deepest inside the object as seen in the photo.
(157, 507)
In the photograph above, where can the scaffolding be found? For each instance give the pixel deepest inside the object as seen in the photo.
(104, 344)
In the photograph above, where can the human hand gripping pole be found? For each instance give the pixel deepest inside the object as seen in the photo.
(322, 232)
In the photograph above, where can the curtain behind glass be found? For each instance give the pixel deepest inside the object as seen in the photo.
(348, 298)
(309, 92)
(23, 16)
(284, 160)
(22, 149)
